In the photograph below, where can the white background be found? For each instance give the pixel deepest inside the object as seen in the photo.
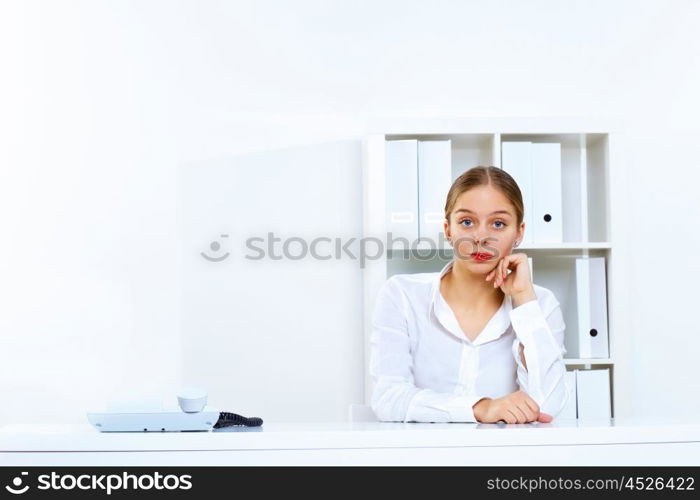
(107, 106)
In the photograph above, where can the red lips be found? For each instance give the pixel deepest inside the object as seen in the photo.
(481, 256)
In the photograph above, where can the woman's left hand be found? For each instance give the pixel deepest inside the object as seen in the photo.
(516, 284)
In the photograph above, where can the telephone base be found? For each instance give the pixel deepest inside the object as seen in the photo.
(156, 421)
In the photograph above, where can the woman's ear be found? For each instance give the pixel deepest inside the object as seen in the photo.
(446, 230)
(521, 234)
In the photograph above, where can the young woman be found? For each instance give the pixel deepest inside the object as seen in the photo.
(477, 341)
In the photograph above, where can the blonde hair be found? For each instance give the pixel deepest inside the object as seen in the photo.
(486, 176)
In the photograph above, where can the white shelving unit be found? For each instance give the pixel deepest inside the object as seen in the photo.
(591, 167)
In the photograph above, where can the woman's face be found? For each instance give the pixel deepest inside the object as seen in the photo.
(482, 228)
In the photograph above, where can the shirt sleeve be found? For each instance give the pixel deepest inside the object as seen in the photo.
(542, 337)
(395, 397)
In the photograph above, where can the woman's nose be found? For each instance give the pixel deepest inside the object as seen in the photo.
(480, 238)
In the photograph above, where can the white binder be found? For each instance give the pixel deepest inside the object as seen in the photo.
(593, 309)
(593, 393)
(569, 410)
(587, 308)
(546, 193)
(434, 181)
(402, 191)
(516, 159)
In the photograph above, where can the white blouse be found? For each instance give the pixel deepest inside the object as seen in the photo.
(425, 369)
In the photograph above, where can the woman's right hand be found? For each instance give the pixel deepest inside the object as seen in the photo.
(515, 408)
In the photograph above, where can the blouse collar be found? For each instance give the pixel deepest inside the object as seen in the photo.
(496, 326)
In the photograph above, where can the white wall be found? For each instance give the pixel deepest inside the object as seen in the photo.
(105, 104)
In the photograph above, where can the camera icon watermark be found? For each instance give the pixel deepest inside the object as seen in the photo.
(17, 483)
(215, 247)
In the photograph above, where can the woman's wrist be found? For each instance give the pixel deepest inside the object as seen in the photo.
(522, 298)
(480, 408)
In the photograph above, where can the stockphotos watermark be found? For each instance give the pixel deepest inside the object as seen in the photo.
(100, 482)
(362, 250)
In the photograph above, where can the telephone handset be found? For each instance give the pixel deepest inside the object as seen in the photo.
(194, 400)
(195, 416)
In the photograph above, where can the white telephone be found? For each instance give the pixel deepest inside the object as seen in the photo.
(195, 416)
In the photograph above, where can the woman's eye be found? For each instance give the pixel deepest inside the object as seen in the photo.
(497, 222)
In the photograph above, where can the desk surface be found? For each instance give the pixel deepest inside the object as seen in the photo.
(348, 435)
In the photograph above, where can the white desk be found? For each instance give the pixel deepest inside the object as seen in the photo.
(562, 442)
